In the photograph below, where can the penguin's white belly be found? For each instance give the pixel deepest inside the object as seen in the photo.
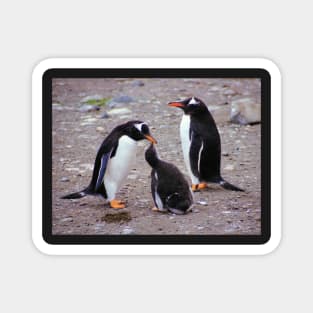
(119, 166)
(185, 141)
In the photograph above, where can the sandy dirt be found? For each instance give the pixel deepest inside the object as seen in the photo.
(77, 136)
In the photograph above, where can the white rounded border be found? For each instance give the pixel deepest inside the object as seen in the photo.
(252, 249)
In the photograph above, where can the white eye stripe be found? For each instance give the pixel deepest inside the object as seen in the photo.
(139, 126)
(193, 101)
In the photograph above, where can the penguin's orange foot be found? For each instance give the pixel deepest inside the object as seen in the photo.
(117, 204)
(155, 209)
(202, 186)
(198, 187)
(195, 188)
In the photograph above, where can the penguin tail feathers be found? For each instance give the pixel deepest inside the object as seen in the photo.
(229, 186)
(76, 195)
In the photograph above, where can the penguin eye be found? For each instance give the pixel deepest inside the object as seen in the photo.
(145, 129)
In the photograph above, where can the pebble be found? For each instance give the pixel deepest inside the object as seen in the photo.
(202, 202)
(245, 111)
(229, 92)
(118, 100)
(88, 108)
(88, 98)
(67, 219)
(71, 169)
(105, 115)
(128, 231)
(119, 111)
(90, 120)
(100, 129)
(138, 83)
(57, 106)
(132, 176)
(229, 167)
(64, 179)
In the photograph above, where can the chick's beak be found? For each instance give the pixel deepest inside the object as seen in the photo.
(150, 138)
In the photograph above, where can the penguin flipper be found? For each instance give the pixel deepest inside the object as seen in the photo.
(195, 154)
(101, 171)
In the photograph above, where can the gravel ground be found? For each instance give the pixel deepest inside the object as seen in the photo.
(77, 136)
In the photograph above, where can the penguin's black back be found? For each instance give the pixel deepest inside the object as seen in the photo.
(169, 183)
(205, 138)
(108, 148)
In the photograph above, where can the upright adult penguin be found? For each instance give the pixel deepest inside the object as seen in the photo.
(170, 190)
(113, 162)
(201, 144)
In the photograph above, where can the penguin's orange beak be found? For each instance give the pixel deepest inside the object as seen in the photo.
(151, 139)
(176, 104)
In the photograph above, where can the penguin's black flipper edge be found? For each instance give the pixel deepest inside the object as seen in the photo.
(195, 153)
(101, 171)
(229, 186)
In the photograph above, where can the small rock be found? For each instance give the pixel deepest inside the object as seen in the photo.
(128, 231)
(119, 111)
(229, 92)
(67, 219)
(123, 99)
(105, 115)
(90, 120)
(200, 227)
(245, 111)
(57, 106)
(229, 167)
(88, 108)
(64, 179)
(116, 101)
(88, 98)
(138, 83)
(72, 169)
(100, 129)
(202, 202)
(132, 176)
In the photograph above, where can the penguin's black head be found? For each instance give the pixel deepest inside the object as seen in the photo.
(138, 130)
(190, 106)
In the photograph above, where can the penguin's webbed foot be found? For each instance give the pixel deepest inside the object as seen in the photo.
(198, 187)
(117, 204)
(155, 209)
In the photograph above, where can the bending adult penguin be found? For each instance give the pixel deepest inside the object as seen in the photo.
(113, 162)
(201, 144)
(170, 190)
